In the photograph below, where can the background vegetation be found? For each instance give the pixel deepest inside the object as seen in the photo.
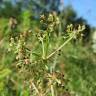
(29, 33)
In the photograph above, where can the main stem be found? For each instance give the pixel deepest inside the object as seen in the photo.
(52, 91)
(43, 50)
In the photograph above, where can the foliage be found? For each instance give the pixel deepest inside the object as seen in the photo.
(45, 58)
(35, 62)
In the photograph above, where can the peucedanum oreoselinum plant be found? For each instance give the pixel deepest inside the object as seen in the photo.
(35, 49)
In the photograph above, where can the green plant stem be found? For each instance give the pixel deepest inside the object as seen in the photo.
(43, 50)
(61, 46)
(47, 43)
(52, 90)
(35, 88)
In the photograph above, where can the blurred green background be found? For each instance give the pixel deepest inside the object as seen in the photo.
(78, 59)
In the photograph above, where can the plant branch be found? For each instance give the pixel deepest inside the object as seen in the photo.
(37, 91)
(61, 46)
(43, 50)
(52, 90)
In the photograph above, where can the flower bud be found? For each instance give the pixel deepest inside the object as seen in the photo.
(50, 18)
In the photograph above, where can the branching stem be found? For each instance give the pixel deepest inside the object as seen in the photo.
(61, 46)
(52, 91)
(43, 50)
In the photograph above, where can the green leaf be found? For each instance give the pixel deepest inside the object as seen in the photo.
(4, 73)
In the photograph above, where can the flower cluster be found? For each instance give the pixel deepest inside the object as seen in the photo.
(38, 58)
